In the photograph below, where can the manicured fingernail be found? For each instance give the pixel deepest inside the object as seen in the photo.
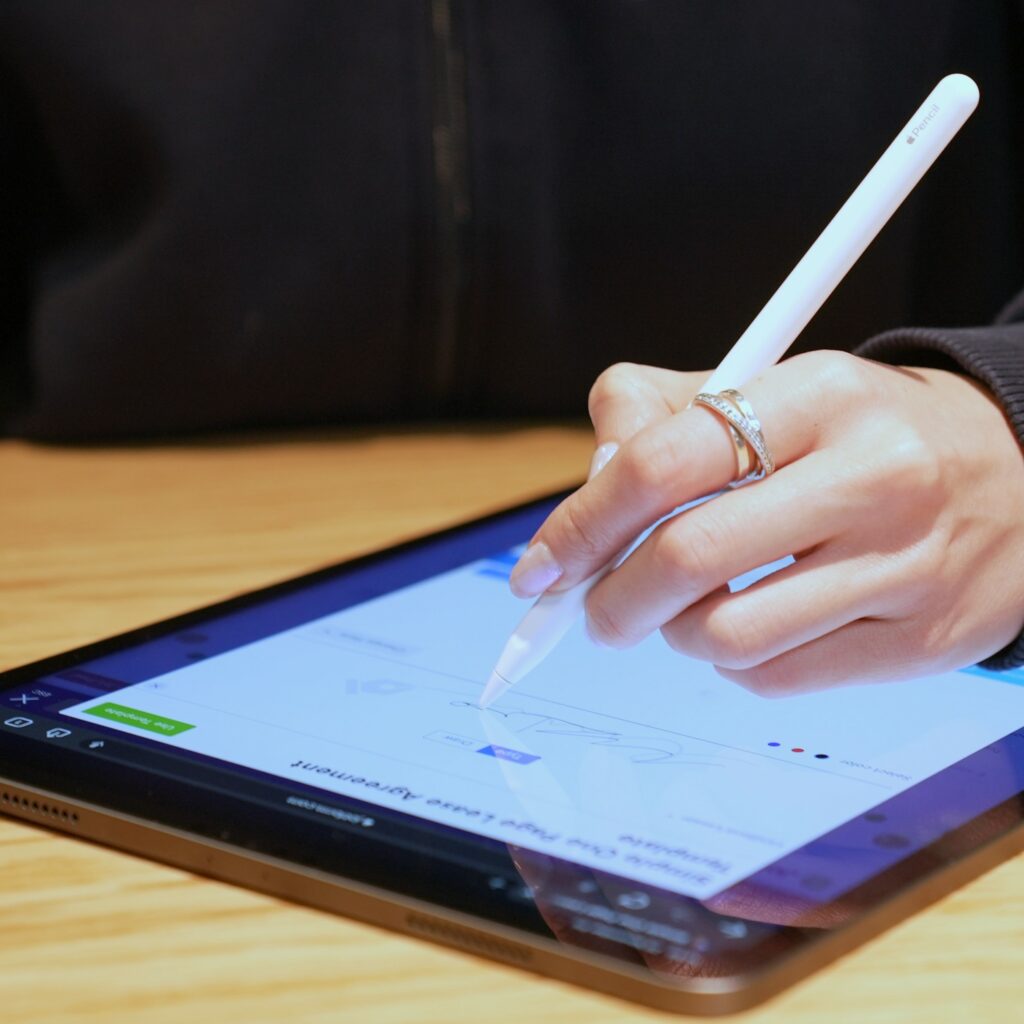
(535, 571)
(602, 456)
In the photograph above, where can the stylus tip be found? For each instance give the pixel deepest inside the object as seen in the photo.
(495, 687)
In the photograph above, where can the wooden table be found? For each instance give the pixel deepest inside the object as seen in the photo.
(98, 540)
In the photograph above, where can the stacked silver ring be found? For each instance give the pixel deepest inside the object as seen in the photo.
(745, 430)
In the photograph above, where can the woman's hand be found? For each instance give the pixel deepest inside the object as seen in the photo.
(900, 492)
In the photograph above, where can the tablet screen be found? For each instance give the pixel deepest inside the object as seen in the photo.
(356, 692)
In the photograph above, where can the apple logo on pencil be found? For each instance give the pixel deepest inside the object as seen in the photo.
(910, 140)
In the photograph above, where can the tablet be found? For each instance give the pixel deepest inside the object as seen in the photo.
(626, 820)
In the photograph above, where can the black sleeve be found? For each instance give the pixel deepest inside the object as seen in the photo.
(993, 356)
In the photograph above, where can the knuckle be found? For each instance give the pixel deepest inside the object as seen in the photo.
(914, 468)
(900, 471)
(576, 534)
(650, 464)
(840, 375)
(734, 639)
(605, 625)
(611, 384)
(690, 553)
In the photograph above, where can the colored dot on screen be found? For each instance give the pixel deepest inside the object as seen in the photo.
(821, 757)
(798, 750)
(774, 744)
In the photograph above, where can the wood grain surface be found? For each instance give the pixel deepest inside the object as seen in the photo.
(98, 540)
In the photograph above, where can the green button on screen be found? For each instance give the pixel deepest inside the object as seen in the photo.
(139, 719)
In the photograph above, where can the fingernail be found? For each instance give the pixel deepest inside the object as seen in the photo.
(535, 571)
(602, 456)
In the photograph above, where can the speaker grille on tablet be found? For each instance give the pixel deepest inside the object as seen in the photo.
(37, 808)
(453, 935)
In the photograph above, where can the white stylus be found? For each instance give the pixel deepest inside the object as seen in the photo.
(776, 327)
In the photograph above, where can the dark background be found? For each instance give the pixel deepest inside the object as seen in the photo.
(219, 214)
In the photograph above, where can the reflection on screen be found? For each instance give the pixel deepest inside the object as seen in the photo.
(640, 763)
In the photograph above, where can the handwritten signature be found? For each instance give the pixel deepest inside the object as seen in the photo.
(639, 749)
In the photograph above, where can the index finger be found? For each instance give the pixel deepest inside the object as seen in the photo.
(628, 397)
(666, 465)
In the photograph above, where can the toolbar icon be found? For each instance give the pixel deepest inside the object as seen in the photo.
(18, 722)
(57, 733)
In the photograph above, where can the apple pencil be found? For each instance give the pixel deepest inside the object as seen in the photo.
(775, 328)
